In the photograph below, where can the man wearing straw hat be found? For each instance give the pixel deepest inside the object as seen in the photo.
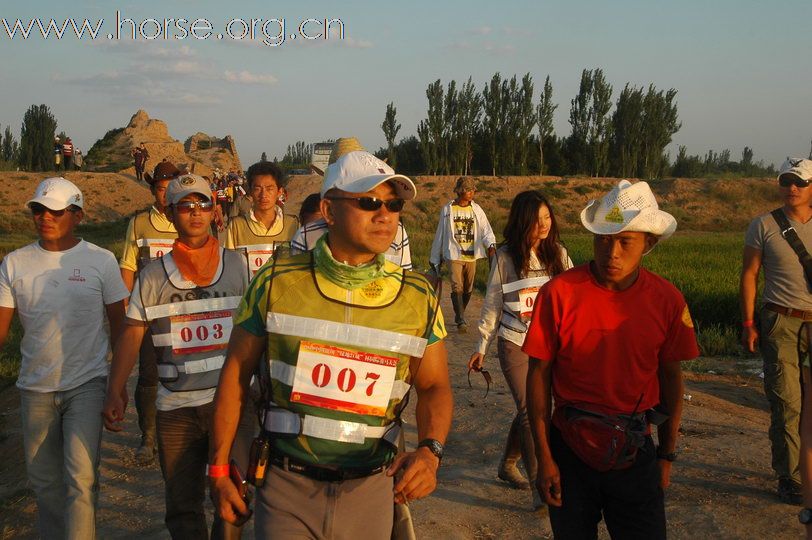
(345, 334)
(606, 341)
(785, 315)
(306, 236)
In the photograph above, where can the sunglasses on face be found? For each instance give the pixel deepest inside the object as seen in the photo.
(189, 206)
(39, 209)
(789, 180)
(371, 204)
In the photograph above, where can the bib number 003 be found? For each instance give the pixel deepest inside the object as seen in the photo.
(200, 332)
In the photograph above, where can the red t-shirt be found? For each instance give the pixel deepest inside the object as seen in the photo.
(606, 346)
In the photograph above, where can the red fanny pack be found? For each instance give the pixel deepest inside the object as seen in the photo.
(604, 442)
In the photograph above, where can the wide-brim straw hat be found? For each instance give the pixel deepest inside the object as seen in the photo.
(628, 207)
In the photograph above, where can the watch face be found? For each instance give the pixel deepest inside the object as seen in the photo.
(805, 516)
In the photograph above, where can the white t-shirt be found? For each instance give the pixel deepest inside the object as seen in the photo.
(60, 298)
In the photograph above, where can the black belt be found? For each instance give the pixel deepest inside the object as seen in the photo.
(323, 474)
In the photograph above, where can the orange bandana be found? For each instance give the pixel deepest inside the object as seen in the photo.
(197, 265)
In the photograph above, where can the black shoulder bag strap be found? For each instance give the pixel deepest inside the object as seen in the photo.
(791, 236)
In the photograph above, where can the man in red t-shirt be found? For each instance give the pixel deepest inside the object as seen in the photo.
(606, 340)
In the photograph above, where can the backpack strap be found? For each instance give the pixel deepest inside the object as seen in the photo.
(791, 236)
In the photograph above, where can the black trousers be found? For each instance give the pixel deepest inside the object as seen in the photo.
(631, 500)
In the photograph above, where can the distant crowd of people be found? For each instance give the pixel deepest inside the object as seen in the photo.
(276, 353)
(66, 156)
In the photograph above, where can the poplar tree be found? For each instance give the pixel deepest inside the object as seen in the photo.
(660, 123)
(580, 116)
(390, 129)
(491, 124)
(468, 116)
(600, 127)
(526, 121)
(37, 139)
(435, 123)
(544, 116)
(627, 131)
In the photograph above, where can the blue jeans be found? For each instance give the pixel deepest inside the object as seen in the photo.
(62, 441)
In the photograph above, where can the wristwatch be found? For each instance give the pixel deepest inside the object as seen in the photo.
(671, 456)
(434, 446)
(805, 516)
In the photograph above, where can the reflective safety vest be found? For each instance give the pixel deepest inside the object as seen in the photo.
(518, 294)
(339, 372)
(191, 325)
(258, 248)
(152, 242)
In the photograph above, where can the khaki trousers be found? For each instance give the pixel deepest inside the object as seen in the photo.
(293, 506)
(784, 344)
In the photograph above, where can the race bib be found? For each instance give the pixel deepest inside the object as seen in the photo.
(258, 256)
(527, 298)
(200, 332)
(158, 247)
(343, 380)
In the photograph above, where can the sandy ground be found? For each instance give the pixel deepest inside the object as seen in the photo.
(722, 484)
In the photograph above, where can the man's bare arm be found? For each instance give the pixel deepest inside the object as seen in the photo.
(244, 351)
(115, 315)
(6, 316)
(539, 410)
(435, 405)
(125, 354)
(671, 391)
(748, 285)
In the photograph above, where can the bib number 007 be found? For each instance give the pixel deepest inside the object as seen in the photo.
(343, 379)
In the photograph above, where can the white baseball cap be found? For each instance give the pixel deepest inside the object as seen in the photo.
(360, 171)
(628, 207)
(57, 194)
(802, 168)
(185, 185)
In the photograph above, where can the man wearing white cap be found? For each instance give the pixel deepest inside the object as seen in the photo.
(346, 334)
(186, 298)
(61, 287)
(305, 238)
(606, 341)
(778, 241)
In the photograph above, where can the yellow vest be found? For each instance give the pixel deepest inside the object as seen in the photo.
(259, 247)
(339, 360)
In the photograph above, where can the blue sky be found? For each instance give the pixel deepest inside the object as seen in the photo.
(741, 67)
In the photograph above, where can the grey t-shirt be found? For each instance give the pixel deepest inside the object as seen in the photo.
(784, 280)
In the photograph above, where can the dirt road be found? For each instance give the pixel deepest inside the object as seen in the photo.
(722, 484)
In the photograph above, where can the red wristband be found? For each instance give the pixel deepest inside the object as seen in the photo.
(216, 471)
(747, 324)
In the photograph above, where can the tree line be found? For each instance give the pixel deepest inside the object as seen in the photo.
(503, 129)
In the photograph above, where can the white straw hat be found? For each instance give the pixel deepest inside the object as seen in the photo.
(628, 207)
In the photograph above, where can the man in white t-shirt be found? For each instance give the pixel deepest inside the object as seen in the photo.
(61, 287)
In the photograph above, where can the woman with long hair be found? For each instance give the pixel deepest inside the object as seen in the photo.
(531, 254)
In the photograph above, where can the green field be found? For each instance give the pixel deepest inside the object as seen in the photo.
(704, 266)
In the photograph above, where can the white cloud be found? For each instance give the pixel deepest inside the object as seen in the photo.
(246, 77)
(482, 30)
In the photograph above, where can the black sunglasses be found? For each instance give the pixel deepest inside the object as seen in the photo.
(38, 209)
(371, 204)
(788, 180)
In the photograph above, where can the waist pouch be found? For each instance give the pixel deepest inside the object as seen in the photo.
(604, 442)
